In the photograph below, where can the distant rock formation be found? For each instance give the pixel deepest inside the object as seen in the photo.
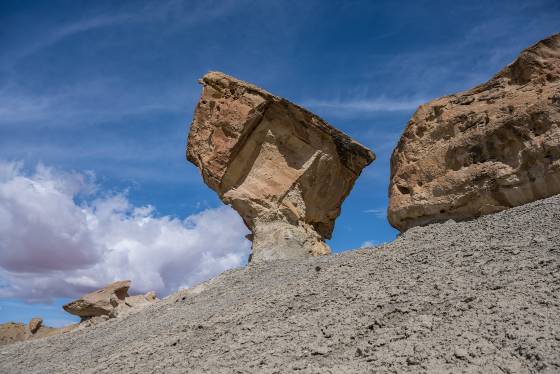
(12, 332)
(484, 150)
(93, 308)
(108, 302)
(282, 168)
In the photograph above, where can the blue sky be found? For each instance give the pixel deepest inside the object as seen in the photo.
(100, 95)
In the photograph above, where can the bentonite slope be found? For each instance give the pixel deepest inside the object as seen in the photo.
(483, 150)
(479, 296)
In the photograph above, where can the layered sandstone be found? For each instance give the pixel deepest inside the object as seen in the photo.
(282, 168)
(484, 150)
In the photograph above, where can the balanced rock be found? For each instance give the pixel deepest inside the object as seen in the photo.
(101, 302)
(283, 169)
(484, 150)
(35, 324)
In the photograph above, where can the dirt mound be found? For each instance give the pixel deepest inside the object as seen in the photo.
(476, 296)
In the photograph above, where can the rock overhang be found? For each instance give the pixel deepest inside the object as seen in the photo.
(284, 169)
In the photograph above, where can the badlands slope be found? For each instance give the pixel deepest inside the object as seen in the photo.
(481, 296)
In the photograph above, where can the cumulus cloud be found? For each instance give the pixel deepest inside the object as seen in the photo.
(60, 237)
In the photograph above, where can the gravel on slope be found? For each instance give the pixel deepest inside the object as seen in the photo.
(475, 297)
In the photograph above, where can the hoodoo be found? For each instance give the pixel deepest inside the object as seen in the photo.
(490, 148)
(283, 169)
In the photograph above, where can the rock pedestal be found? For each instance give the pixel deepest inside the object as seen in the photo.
(34, 324)
(282, 168)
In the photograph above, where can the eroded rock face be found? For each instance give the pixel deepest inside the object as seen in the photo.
(134, 303)
(34, 324)
(484, 150)
(100, 302)
(109, 302)
(285, 170)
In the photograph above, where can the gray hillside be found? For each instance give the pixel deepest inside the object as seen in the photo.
(477, 297)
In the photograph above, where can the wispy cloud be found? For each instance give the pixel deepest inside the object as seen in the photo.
(175, 12)
(360, 106)
(54, 36)
(88, 102)
(380, 213)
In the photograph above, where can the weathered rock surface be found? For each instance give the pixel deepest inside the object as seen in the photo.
(132, 304)
(285, 170)
(12, 332)
(109, 302)
(35, 324)
(484, 150)
(101, 302)
(481, 296)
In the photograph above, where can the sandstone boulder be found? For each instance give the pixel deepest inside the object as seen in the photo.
(108, 302)
(484, 150)
(282, 168)
(35, 324)
(100, 302)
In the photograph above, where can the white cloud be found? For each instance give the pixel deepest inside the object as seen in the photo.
(369, 244)
(361, 106)
(372, 243)
(60, 237)
(380, 213)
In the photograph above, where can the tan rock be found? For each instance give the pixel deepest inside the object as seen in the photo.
(100, 302)
(95, 320)
(132, 304)
(484, 150)
(34, 324)
(141, 300)
(12, 332)
(151, 296)
(285, 170)
(44, 331)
